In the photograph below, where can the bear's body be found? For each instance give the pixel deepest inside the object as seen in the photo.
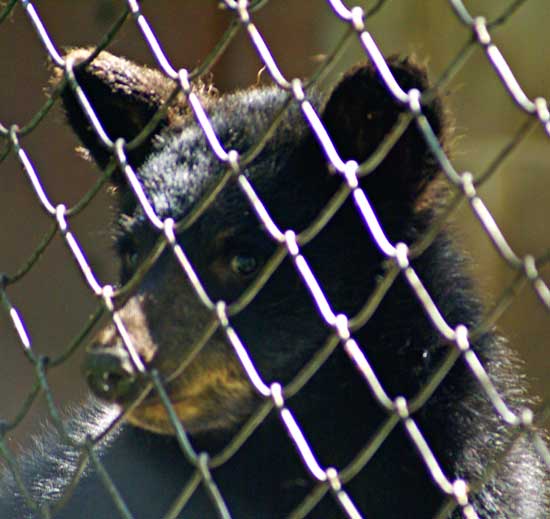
(282, 328)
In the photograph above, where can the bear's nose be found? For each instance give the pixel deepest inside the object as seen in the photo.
(109, 372)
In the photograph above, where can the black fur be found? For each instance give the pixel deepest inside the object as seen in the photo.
(281, 328)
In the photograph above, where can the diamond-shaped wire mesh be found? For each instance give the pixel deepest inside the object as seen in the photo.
(527, 267)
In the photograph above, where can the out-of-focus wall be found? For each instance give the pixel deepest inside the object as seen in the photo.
(53, 299)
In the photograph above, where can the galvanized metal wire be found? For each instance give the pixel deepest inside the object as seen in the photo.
(341, 327)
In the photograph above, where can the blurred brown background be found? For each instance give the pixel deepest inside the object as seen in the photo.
(53, 298)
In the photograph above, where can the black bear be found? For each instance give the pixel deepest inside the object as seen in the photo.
(281, 328)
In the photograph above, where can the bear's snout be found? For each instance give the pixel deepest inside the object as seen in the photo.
(109, 372)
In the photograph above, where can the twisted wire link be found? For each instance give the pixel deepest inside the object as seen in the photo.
(340, 326)
(538, 106)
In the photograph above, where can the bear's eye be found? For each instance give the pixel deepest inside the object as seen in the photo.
(244, 265)
(130, 261)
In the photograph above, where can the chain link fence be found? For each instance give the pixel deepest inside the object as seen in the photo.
(527, 268)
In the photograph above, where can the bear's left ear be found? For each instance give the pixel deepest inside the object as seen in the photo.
(124, 97)
(361, 112)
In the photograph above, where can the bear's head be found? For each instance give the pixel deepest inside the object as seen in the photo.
(229, 241)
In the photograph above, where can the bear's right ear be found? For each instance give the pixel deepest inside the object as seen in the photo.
(124, 97)
(361, 112)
